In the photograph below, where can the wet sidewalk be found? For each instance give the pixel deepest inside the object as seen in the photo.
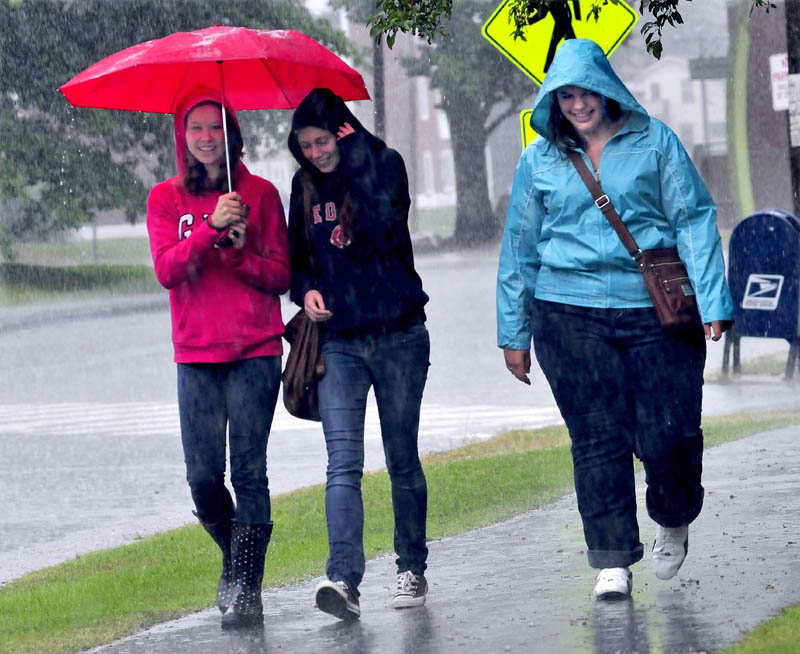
(524, 586)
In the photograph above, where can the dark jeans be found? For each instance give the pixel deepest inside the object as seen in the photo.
(625, 387)
(239, 396)
(395, 364)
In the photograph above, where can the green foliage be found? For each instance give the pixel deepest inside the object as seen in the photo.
(422, 18)
(523, 13)
(60, 164)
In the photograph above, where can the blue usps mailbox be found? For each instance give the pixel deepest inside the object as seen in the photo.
(764, 276)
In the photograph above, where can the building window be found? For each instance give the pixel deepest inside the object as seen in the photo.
(655, 91)
(446, 170)
(687, 90)
(442, 125)
(428, 174)
(716, 131)
(686, 131)
(423, 101)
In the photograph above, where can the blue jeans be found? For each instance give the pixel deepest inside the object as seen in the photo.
(239, 397)
(625, 387)
(395, 364)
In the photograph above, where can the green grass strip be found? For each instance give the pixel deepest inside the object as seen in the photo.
(22, 283)
(780, 635)
(104, 595)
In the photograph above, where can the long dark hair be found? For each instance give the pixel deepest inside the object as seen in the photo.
(195, 178)
(324, 109)
(562, 134)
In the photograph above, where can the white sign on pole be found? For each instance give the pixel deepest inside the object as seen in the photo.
(779, 80)
(794, 110)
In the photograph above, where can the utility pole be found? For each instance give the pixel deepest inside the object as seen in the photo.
(792, 8)
(380, 94)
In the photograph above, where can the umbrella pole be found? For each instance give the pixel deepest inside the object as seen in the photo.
(225, 128)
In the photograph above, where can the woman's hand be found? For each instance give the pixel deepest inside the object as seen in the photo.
(518, 363)
(344, 130)
(715, 328)
(314, 306)
(230, 209)
(237, 234)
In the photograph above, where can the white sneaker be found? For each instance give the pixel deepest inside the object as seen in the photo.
(669, 550)
(336, 598)
(411, 590)
(613, 583)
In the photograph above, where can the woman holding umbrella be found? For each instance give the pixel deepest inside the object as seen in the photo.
(223, 255)
(353, 273)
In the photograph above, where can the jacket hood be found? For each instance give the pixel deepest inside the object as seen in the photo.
(582, 63)
(187, 103)
(324, 109)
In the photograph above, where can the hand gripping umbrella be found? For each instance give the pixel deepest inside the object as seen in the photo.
(252, 69)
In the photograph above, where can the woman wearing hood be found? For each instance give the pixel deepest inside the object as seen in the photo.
(353, 273)
(224, 257)
(624, 385)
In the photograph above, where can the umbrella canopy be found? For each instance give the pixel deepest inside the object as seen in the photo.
(255, 69)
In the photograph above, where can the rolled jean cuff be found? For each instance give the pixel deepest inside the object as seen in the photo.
(615, 558)
(676, 519)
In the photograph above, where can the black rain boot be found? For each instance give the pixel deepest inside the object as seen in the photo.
(249, 549)
(221, 533)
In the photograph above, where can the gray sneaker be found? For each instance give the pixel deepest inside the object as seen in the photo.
(669, 550)
(336, 598)
(411, 590)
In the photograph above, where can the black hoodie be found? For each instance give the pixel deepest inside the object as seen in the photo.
(368, 281)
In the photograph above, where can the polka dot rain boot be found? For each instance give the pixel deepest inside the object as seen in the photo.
(249, 544)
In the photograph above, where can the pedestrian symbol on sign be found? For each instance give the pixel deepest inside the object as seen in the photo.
(562, 30)
(763, 292)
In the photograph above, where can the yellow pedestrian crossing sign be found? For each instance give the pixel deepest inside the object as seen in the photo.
(566, 19)
(528, 133)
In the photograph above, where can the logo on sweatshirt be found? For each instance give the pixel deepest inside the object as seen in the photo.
(339, 239)
(330, 212)
(185, 223)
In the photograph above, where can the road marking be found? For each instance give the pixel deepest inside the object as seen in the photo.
(153, 418)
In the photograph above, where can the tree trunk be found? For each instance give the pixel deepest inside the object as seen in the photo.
(380, 95)
(475, 222)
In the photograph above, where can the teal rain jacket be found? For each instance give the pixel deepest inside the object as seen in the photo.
(558, 246)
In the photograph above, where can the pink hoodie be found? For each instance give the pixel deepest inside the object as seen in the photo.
(225, 303)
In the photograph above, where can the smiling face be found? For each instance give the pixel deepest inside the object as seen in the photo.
(583, 109)
(319, 147)
(205, 137)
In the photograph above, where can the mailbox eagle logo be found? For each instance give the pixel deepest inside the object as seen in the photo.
(763, 292)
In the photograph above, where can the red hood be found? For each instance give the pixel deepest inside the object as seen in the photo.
(198, 95)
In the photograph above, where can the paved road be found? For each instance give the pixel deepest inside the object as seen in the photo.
(524, 586)
(89, 448)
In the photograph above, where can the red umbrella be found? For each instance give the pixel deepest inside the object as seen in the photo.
(253, 69)
(256, 69)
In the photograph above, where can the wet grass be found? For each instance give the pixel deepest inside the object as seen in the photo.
(104, 595)
(23, 283)
(75, 253)
(778, 636)
(74, 270)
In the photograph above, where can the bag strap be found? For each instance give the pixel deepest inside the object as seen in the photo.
(603, 202)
